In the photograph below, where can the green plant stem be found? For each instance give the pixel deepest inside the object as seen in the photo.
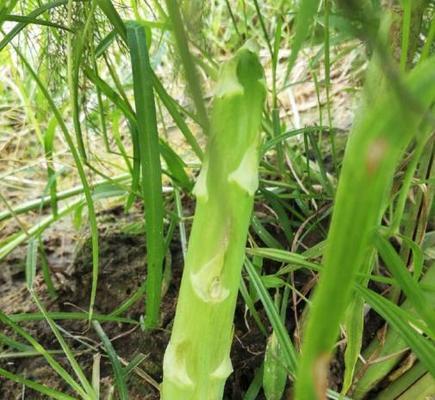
(375, 146)
(196, 362)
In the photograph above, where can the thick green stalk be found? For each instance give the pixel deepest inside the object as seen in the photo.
(393, 24)
(197, 361)
(375, 146)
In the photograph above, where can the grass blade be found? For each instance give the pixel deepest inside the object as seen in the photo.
(288, 350)
(170, 104)
(51, 393)
(31, 259)
(41, 350)
(116, 365)
(413, 379)
(385, 351)
(255, 386)
(82, 174)
(6, 248)
(275, 374)
(113, 16)
(422, 347)
(91, 395)
(34, 21)
(74, 316)
(304, 19)
(353, 325)
(66, 194)
(175, 166)
(150, 165)
(188, 63)
(409, 285)
(49, 136)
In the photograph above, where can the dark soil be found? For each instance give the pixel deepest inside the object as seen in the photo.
(122, 270)
(122, 260)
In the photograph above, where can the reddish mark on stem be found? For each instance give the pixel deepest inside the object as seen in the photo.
(320, 375)
(375, 154)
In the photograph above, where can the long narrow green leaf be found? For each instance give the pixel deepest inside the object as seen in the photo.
(116, 365)
(354, 328)
(6, 8)
(129, 113)
(297, 261)
(113, 16)
(175, 166)
(283, 256)
(275, 374)
(37, 228)
(386, 350)
(170, 104)
(188, 62)
(150, 165)
(31, 259)
(116, 134)
(41, 350)
(422, 347)
(82, 174)
(34, 21)
(409, 285)
(51, 393)
(251, 307)
(263, 233)
(66, 194)
(49, 136)
(283, 136)
(406, 31)
(304, 19)
(172, 108)
(91, 395)
(255, 386)
(75, 45)
(111, 94)
(6, 340)
(45, 268)
(412, 379)
(288, 350)
(74, 316)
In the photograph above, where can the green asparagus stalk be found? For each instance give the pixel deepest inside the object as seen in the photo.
(197, 359)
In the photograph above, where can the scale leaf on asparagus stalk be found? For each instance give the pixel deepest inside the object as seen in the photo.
(197, 359)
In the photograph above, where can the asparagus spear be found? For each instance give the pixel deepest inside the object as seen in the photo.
(197, 362)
